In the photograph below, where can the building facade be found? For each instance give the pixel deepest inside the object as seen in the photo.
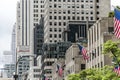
(38, 39)
(59, 12)
(33, 74)
(13, 44)
(98, 34)
(9, 70)
(74, 63)
(52, 52)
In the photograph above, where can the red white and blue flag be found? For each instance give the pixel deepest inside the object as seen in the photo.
(83, 51)
(59, 70)
(117, 70)
(117, 23)
(45, 78)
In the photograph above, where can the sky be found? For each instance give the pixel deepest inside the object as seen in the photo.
(7, 20)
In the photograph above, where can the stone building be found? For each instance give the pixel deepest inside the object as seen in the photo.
(98, 34)
(74, 61)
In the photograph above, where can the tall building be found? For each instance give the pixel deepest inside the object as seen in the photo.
(38, 39)
(29, 13)
(7, 57)
(59, 12)
(13, 44)
(98, 34)
(9, 69)
(52, 52)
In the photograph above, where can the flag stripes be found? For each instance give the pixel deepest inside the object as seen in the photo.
(117, 23)
(59, 70)
(84, 52)
(117, 70)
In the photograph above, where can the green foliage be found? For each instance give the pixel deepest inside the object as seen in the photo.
(105, 73)
(73, 77)
(111, 14)
(112, 48)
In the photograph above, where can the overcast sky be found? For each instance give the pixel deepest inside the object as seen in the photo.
(7, 20)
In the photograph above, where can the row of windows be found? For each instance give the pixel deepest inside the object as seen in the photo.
(37, 75)
(71, 6)
(36, 1)
(54, 41)
(67, 18)
(71, 0)
(98, 65)
(55, 29)
(55, 36)
(73, 12)
(56, 24)
(37, 70)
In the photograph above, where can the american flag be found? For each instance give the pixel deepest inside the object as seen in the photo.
(59, 70)
(84, 52)
(45, 78)
(117, 23)
(117, 70)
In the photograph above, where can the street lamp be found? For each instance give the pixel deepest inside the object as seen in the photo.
(16, 65)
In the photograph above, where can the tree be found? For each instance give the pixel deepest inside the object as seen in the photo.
(105, 73)
(113, 49)
(111, 14)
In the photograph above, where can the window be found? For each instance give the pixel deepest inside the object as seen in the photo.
(50, 29)
(91, 18)
(82, 0)
(68, 11)
(91, 0)
(59, 29)
(50, 35)
(97, 12)
(82, 66)
(55, 29)
(50, 6)
(59, 23)
(97, 1)
(64, 17)
(91, 12)
(82, 6)
(50, 17)
(63, 0)
(110, 29)
(59, 17)
(64, 12)
(50, 23)
(59, 11)
(64, 23)
(97, 6)
(55, 23)
(55, 17)
(77, 0)
(78, 18)
(55, 5)
(59, 35)
(50, 12)
(82, 12)
(68, 17)
(82, 18)
(55, 35)
(68, 0)
(73, 17)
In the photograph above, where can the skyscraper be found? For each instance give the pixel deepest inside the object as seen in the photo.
(59, 12)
